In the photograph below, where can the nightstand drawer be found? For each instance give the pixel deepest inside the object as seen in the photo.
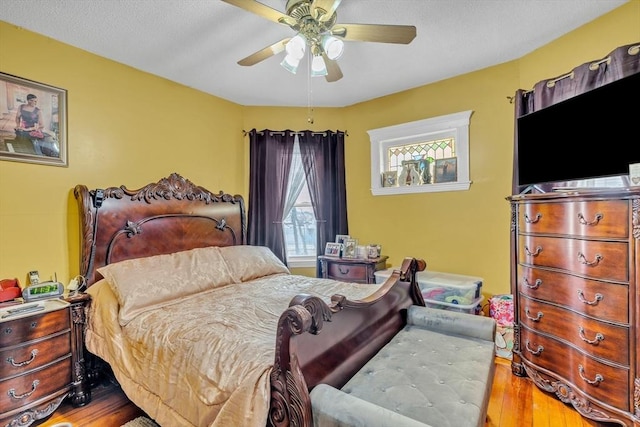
(20, 359)
(347, 272)
(21, 391)
(25, 329)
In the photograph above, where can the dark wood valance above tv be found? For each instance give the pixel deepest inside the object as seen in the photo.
(577, 127)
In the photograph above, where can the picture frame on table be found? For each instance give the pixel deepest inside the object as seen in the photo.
(350, 248)
(35, 128)
(332, 249)
(446, 170)
(390, 178)
(340, 238)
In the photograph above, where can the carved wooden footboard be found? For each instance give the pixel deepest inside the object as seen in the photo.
(319, 343)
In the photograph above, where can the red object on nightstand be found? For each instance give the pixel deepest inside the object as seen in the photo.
(9, 289)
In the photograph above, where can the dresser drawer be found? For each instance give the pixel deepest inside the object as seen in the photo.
(23, 390)
(25, 329)
(34, 354)
(607, 219)
(602, 340)
(600, 260)
(583, 372)
(601, 300)
(347, 272)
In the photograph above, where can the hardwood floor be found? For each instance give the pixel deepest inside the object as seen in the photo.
(515, 402)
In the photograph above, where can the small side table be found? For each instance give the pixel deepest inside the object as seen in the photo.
(352, 269)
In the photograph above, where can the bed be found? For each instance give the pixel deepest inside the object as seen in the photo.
(201, 329)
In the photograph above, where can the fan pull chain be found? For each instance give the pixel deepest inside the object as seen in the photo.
(309, 92)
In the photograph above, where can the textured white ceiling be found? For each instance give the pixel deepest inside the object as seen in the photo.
(198, 42)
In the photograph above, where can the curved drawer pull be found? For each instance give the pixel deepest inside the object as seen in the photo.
(534, 220)
(534, 319)
(343, 271)
(12, 392)
(599, 378)
(596, 341)
(596, 220)
(581, 297)
(583, 260)
(536, 253)
(536, 285)
(34, 352)
(534, 352)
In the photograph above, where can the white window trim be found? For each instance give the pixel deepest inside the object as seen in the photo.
(302, 261)
(456, 124)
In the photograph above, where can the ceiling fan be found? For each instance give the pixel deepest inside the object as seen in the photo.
(316, 27)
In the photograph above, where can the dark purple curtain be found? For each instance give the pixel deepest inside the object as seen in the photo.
(622, 62)
(323, 160)
(270, 160)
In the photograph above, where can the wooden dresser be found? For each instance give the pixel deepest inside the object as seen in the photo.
(42, 363)
(352, 269)
(577, 304)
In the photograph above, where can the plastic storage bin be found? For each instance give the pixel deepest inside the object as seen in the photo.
(473, 308)
(454, 289)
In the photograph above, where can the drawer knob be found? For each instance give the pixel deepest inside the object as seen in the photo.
(535, 285)
(12, 392)
(343, 270)
(534, 220)
(583, 260)
(581, 297)
(534, 254)
(599, 378)
(11, 360)
(534, 319)
(596, 341)
(536, 352)
(595, 221)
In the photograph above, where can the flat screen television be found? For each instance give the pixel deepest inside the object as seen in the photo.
(592, 135)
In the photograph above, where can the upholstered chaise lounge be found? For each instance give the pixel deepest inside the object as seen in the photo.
(438, 371)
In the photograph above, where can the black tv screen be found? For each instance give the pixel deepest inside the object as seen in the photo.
(592, 135)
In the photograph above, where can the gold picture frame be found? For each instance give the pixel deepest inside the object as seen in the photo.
(35, 128)
(446, 170)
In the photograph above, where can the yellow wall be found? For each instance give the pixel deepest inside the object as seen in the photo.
(129, 127)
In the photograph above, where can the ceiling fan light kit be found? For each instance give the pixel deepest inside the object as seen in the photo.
(315, 24)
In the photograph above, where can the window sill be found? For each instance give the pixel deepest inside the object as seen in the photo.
(425, 188)
(302, 261)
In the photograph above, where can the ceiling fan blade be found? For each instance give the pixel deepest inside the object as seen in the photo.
(334, 73)
(265, 53)
(264, 11)
(402, 34)
(322, 10)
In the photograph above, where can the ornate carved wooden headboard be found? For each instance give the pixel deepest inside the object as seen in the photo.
(168, 216)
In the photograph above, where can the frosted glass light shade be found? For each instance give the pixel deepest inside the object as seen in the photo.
(296, 46)
(333, 47)
(290, 64)
(318, 67)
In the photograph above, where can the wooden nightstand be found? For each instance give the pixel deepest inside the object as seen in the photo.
(42, 363)
(352, 269)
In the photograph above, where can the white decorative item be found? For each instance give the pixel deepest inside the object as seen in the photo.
(634, 173)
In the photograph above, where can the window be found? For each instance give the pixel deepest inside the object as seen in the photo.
(299, 223)
(423, 156)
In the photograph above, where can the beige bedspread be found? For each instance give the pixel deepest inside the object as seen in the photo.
(205, 359)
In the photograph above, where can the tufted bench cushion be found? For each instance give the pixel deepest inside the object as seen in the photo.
(437, 371)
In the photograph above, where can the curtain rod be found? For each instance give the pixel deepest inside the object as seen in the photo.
(593, 66)
(276, 132)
